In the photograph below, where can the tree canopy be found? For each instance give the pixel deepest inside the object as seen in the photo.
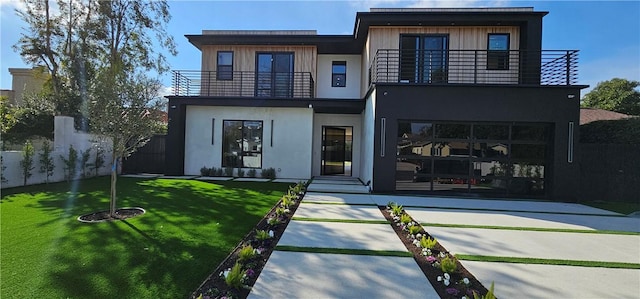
(619, 95)
(100, 55)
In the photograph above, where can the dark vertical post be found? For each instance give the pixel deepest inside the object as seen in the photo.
(568, 68)
(475, 67)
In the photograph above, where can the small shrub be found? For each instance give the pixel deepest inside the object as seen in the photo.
(219, 172)
(396, 209)
(273, 221)
(251, 173)
(234, 277)
(262, 235)
(240, 173)
(228, 171)
(428, 243)
(212, 171)
(204, 171)
(26, 164)
(46, 161)
(246, 253)
(280, 212)
(405, 218)
(287, 200)
(448, 265)
(269, 173)
(489, 295)
(414, 229)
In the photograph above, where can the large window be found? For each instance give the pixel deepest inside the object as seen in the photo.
(424, 58)
(242, 144)
(224, 70)
(339, 74)
(498, 51)
(466, 157)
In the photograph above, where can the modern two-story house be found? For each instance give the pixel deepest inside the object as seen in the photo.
(441, 101)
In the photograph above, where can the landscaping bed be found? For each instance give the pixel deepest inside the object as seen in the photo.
(430, 257)
(238, 272)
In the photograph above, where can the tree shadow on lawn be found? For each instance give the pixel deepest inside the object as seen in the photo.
(188, 229)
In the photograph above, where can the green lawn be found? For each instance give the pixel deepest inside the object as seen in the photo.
(189, 227)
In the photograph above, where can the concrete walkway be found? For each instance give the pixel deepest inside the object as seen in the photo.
(291, 274)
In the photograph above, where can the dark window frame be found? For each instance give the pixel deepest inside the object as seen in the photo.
(224, 72)
(498, 60)
(338, 77)
(241, 154)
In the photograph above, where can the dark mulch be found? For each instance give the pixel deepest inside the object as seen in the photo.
(120, 214)
(216, 287)
(431, 272)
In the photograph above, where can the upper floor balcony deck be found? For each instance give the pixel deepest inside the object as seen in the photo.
(243, 84)
(515, 67)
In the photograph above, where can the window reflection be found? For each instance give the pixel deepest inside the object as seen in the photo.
(242, 144)
(499, 158)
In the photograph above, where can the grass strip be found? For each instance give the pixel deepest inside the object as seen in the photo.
(341, 220)
(336, 203)
(537, 229)
(512, 211)
(344, 251)
(524, 260)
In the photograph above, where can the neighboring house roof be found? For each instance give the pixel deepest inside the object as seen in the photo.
(588, 115)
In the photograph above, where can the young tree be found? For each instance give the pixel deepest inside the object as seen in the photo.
(70, 163)
(3, 167)
(46, 161)
(84, 161)
(99, 160)
(619, 95)
(120, 110)
(26, 164)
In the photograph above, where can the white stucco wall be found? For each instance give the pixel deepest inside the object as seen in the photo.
(290, 153)
(368, 131)
(352, 88)
(337, 120)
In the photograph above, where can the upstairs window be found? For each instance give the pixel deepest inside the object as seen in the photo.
(498, 51)
(339, 74)
(224, 70)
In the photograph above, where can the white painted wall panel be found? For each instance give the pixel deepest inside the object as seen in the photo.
(337, 120)
(368, 131)
(352, 88)
(292, 131)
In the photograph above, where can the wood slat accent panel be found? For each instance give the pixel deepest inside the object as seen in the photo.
(244, 57)
(460, 38)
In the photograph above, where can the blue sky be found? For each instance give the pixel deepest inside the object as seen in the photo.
(607, 33)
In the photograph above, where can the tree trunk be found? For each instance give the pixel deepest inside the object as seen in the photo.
(114, 179)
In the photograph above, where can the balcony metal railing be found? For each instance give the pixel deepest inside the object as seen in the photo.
(547, 67)
(243, 84)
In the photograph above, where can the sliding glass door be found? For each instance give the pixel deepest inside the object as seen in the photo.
(423, 58)
(274, 74)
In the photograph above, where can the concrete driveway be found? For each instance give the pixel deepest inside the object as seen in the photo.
(540, 232)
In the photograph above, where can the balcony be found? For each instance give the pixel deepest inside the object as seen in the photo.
(547, 67)
(243, 84)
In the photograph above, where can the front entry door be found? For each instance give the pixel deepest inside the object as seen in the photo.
(333, 150)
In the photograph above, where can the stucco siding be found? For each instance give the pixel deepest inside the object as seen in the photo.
(286, 145)
(352, 88)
